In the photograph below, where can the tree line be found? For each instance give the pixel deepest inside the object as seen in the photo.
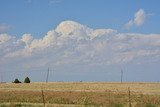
(26, 80)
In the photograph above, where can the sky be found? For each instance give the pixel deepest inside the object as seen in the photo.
(80, 40)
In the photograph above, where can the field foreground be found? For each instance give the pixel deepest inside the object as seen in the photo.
(62, 94)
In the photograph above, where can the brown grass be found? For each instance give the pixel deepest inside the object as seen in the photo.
(82, 93)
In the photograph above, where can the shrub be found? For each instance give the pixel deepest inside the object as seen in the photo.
(27, 80)
(16, 81)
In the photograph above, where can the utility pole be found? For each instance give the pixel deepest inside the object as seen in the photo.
(121, 76)
(1, 78)
(47, 75)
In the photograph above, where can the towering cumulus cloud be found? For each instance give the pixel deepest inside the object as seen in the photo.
(73, 43)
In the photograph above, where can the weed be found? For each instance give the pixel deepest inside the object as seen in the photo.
(3, 105)
(150, 105)
(118, 105)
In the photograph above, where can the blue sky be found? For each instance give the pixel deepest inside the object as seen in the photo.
(88, 40)
(39, 16)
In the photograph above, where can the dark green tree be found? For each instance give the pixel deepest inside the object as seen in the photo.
(16, 81)
(27, 80)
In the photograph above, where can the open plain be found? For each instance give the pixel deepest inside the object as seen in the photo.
(62, 94)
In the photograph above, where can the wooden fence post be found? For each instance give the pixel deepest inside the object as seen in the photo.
(43, 97)
(129, 96)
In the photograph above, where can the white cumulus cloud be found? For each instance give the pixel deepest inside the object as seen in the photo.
(4, 28)
(73, 43)
(139, 19)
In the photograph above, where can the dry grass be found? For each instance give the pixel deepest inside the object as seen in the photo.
(145, 88)
(83, 93)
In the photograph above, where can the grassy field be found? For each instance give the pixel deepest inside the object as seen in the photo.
(80, 94)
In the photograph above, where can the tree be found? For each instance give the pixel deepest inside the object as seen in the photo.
(27, 80)
(16, 81)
